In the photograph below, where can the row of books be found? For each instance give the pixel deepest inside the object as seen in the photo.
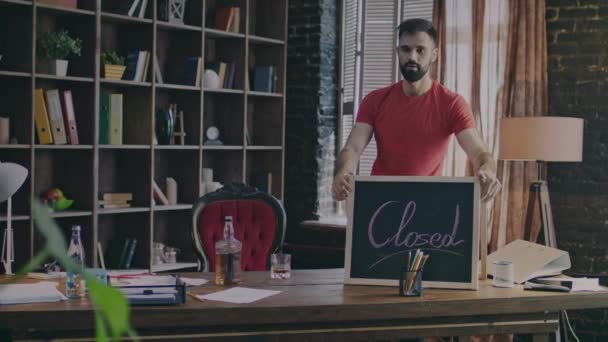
(134, 8)
(137, 65)
(54, 117)
(225, 72)
(228, 19)
(265, 78)
(114, 200)
(110, 118)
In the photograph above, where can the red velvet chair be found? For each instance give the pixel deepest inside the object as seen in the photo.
(259, 223)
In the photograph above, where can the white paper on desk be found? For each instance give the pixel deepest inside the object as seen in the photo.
(530, 260)
(30, 293)
(239, 295)
(145, 280)
(194, 281)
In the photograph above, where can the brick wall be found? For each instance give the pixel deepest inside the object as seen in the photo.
(577, 42)
(311, 109)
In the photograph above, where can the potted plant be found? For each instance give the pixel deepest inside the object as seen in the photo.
(55, 47)
(113, 65)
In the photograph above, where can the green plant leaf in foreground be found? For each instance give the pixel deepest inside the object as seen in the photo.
(111, 307)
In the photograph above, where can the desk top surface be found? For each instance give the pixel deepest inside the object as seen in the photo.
(314, 295)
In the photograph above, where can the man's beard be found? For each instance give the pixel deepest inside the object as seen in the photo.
(413, 75)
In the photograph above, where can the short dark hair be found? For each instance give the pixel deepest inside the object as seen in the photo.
(413, 26)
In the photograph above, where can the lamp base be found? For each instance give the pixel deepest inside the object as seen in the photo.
(539, 199)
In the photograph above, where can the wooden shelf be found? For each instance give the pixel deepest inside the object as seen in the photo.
(65, 78)
(172, 207)
(103, 211)
(113, 17)
(16, 146)
(223, 147)
(63, 147)
(15, 218)
(125, 83)
(15, 73)
(213, 33)
(177, 87)
(263, 94)
(87, 171)
(64, 10)
(264, 148)
(123, 147)
(172, 267)
(264, 40)
(16, 2)
(69, 213)
(177, 27)
(176, 147)
(223, 91)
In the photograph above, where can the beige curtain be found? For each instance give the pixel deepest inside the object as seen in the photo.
(505, 75)
(524, 94)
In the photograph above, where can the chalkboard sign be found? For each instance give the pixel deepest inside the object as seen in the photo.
(390, 216)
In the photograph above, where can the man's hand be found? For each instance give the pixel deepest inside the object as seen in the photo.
(342, 186)
(490, 185)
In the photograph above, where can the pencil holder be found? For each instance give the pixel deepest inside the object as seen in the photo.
(410, 283)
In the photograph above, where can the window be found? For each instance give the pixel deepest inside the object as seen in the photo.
(369, 61)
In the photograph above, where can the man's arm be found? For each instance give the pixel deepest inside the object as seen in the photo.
(346, 165)
(485, 167)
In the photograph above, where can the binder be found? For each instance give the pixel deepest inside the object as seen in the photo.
(104, 118)
(56, 116)
(530, 260)
(116, 101)
(69, 118)
(43, 127)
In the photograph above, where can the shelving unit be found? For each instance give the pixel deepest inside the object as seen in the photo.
(251, 123)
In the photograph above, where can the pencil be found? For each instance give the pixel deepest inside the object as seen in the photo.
(409, 258)
(194, 296)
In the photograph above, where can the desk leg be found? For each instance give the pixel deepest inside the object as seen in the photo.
(540, 338)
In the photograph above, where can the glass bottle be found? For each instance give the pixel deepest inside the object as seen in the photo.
(75, 286)
(228, 256)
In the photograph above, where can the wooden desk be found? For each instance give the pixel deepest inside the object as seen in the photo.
(315, 303)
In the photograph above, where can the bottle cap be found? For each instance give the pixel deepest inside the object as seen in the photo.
(228, 218)
(76, 228)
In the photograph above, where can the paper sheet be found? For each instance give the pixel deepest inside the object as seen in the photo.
(30, 293)
(194, 281)
(239, 295)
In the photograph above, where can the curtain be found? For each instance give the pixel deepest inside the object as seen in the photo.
(524, 94)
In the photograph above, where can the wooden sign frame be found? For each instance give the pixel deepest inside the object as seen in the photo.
(475, 244)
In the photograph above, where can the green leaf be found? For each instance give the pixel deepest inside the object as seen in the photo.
(112, 306)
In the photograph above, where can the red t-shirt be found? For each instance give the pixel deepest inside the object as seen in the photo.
(413, 132)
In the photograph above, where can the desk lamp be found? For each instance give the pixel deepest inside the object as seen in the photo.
(12, 177)
(543, 139)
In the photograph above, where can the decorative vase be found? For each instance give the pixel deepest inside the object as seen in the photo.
(113, 71)
(164, 126)
(58, 67)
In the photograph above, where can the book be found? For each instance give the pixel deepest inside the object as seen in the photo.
(53, 105)
(223, 18)
(159, 195)
(104, 118)
(566, 284)
(116, 104)
(191, 74)
(157, 72)
(69, 118)
(262, 78)
(117, 196)
(43, 126)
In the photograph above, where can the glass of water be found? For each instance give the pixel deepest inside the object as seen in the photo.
(280, 266)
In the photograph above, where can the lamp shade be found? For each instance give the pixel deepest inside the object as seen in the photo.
(12, 177)
(545, 138)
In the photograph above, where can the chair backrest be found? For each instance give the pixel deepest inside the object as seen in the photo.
(259, 223)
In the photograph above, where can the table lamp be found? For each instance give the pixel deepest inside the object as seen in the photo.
(543, 139)
(12, 177)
